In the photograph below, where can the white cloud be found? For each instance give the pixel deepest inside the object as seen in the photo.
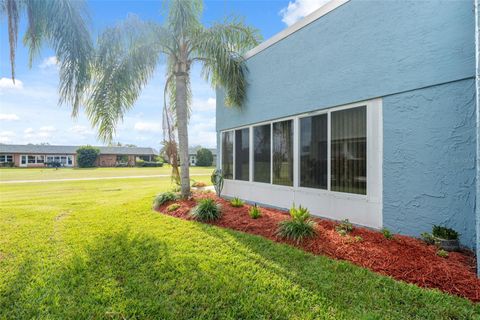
(43, 132)
(6, 136)
(9, 117)
(204, 105)
(81, 130)
(298, 9)
(47, 129)
(49, 62)
(148, 126)
(7, 83)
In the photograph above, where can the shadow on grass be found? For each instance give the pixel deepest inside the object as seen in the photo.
(191, 270)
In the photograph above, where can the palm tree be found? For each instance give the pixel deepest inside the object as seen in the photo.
(61, 24)
(129, 53)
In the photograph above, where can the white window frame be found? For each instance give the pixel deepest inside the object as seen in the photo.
(3, 157)
(370, 105)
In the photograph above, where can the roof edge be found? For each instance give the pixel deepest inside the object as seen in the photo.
(323, 10)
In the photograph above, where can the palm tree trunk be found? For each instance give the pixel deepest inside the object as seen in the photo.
(182, 127)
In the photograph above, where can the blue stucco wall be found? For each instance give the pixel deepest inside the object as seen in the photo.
(361, 50)
(429, 160)
(420, 57)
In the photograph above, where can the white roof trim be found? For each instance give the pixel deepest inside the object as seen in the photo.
(323, 10)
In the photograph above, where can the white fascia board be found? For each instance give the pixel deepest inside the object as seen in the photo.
(323, 10)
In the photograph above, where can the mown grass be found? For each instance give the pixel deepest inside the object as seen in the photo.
(95, 249)
(9, 174)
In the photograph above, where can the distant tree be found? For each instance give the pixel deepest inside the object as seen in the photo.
(86, 156)
(204, 157)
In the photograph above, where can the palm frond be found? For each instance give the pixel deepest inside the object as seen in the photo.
(62, 24)
(12, 10)
(220, 49)
(184, 16)
(126, 59)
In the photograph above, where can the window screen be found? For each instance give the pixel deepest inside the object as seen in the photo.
(261, 153)
(283, 153)
(227, 154)
(349, 150)
(314, 152)
(242, 152)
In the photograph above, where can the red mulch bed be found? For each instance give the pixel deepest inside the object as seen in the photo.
(403, 258)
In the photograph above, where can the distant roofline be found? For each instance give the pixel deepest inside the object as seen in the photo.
(323, 10)
(7, 148)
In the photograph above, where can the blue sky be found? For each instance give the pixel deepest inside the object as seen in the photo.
(29, 112)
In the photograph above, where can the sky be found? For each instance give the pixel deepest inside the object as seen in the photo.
(29, 110)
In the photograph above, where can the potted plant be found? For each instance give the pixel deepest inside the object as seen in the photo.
(446, 238)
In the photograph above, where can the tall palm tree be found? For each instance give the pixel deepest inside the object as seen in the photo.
(60, 24)
(129, 53)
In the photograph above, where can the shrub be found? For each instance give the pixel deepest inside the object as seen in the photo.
(139, 162)
(254, 212)
(163, 198)
(206, 210)
(237, 202)
(297, 228)
(86, 156)
(428, 238)
(344, 227)
(217, 181)
(204, 157)
(442, 253)
(444, 233)
(387, 233)
(173, 207)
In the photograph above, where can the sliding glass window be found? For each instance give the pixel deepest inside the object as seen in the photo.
(227, 154)
(283, 153)
(349, 150)
(261, 153)
(314, 152)
(242, 153)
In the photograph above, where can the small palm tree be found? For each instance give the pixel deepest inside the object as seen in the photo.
(129, 53)
(61, 24)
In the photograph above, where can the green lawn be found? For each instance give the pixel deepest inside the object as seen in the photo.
(95, 249)
(9, 174)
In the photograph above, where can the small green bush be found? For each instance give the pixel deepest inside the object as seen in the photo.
(428, 238)
(86, 156)
(139, 163)
(300, 225)
(442, 253)
(254, 212)
(206, 210)
(344, 227)
(173, 207)
(387, 233)
(444, 233)
(237, 202)
(163, 198)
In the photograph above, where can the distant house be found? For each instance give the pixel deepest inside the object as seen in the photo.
(38, 155)
(192, 155)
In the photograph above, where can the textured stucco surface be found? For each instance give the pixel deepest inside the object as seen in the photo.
(391, 49)
(361, 50)
(430, 160)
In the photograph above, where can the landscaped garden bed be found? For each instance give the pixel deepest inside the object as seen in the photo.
(401, 257)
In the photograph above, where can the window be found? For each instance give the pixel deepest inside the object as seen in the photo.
(31, 159)
(40, 159)
(242, 154)
(6, 158)
(283, 153)
(349, 150)
(314, 152)
(261, 153)
(227, 154)
(331, 145)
